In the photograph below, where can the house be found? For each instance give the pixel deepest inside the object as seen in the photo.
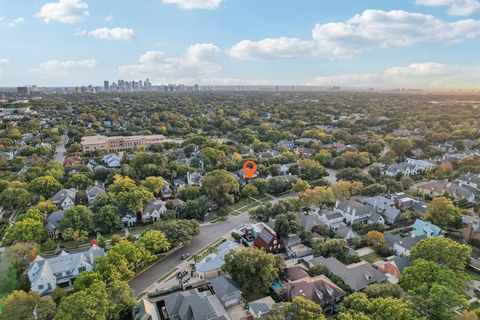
(408, 168)
(319, 289)
(385, 207)
(440, 188)
(166, 193)
(261, 308)
(308, 221)
(392, 267)
(112, 160)
(194, 305)
(404, 201)
(269, 154)
(94, 191)
(146, 310)
(353, 211)
(65, 198)
(294, 247)
(47, 274)
(52, 223)
(357, 275)
(470, 179)
(153, 211)
(471, 230)
(195, 179)
(333, 220)
(179, 183)
(211, 265)
(427, 229)
(289, 144)
(71, 161)
(129, 219)
(267, 240)
(226, 291)
(345, 232)
(401, 245)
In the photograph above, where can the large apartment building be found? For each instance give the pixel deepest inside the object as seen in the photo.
(118, 143)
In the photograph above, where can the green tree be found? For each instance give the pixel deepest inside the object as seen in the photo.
(92, 303)
(443, 213)
(135, 253)
(154, 241)
(114, 266)
(178, 232)
(249, 191)
(300, 185)
(27, 230)
(299, 309)
(221, 187)
(434, 287)
(32, 213)
(442, 251)
(253, 269)
(337, 248)
(359, 306)
(77, 223)
(45, 186)
(21, 253)
(153, 184)
(107, 219)
(79, 181)
(135, 198)
(401, 145)
(122, 300)
(15, 198)
(384, 290)
(121, 183)
(286, 224)
(20, 305)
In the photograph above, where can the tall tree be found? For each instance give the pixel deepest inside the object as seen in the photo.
(443, 251)
(253, 269)
(154, 241)
(299, 309)
(77, 223)
(27, 230)
(107, 219)
(286, 224)
(20, 305)
(178, 232)
(443, 212)
(221, 187)
(15, 198)
(45, 186)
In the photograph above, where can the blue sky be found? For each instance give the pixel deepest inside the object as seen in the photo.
(402, 43)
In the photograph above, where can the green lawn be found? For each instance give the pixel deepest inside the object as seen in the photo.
(8, 279)
(371, 257)
(473, 274)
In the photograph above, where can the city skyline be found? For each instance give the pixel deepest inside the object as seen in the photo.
(411, 43)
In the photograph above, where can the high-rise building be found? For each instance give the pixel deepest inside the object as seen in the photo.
(23, 90)
(106, 85)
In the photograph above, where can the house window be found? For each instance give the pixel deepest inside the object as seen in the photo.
(40, 286)
(82, 269)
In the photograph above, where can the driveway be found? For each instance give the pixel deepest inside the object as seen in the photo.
(60, 150)
(208, 233)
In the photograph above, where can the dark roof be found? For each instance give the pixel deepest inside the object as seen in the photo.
(224, 286)
(54, 219)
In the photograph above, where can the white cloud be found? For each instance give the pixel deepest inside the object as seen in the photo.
(369, 30)
(113, 33)
(416, 75)
(200, 60)
(12, 23)
(271, 48)
(63, 65)
(387, 29)
(109, 18)
(66, 11)
(195, 4)
(4, 61)
(456, 7)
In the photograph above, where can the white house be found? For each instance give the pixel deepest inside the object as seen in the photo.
(354, 212)
(153, 211)
(333, 220)
(94, 191)
(112, 160)
(65, 198)
(211, 265)
(47, 274)
(194, 179)
(129, 219)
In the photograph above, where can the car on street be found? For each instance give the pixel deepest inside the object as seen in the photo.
(185, 256)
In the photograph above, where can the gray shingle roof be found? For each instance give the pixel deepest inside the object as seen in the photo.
(54, 219)
(224, 286)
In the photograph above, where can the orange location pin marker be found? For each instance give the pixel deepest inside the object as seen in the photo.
(249, 167)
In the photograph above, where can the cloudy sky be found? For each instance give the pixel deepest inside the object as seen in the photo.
(384, 43)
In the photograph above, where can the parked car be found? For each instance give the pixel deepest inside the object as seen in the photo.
(182, 273)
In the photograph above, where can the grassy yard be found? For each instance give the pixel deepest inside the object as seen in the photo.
(473, 274)
(372, 257)
(247, 204)
(8, 279)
